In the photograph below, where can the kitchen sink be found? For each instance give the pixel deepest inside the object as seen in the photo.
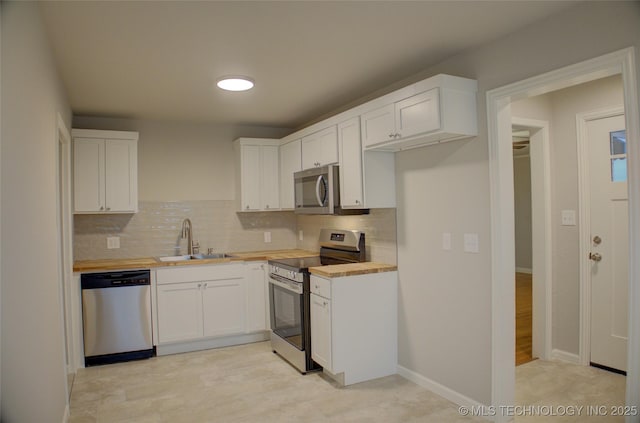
(193, 257)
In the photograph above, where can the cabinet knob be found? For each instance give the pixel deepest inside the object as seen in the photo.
(396, 135)
(101, 207)
(267, 206)
(247, 207)
(392, 135)
(357, 201)
(108, 208)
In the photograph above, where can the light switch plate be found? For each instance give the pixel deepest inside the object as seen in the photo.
(471, 243)
(568, 218)
(446, 241)
(113, 242)
(267, 237)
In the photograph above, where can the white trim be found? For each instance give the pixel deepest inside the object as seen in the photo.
(501, 178)
(567, 357)
(101, 133)
(436, 388)
(66, 416)
(524, 270)
(584, 212)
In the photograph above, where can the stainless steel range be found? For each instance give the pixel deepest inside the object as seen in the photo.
(289, 292)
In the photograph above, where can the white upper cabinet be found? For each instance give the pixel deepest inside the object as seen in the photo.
(444, 112)
(290, 162)
(351, 188)
(320, 148)
(367, 178)
(105, 171)
(257, 167)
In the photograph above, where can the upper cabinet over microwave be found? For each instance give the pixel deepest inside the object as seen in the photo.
(444, 110)
(105, 171)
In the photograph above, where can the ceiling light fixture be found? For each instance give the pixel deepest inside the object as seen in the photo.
(235, 83)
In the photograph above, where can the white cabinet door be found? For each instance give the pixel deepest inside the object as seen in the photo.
(88, 174)
(179, 311)
(105, 171)
(351, 188)
(259, 186)
(320, 148)
(257, 302)
(270, 176)
(321, 331)
(378, 125)
(418, 114)
(223, 307)
(290, 162)
(121, 179)
(250, 156)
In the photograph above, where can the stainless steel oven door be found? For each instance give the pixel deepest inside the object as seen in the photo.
(287, 308)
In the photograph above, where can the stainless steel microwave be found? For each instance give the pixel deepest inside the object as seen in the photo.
(317, 190)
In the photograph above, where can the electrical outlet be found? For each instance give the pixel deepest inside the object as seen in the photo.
(113, 242)
(471, 243)
(300, 235)
(267, 237)
(446, 241)
(568, 218)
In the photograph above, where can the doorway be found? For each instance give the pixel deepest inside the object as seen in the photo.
(501, 179)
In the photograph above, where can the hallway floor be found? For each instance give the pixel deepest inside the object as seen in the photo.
(524, 318)
(249, 383)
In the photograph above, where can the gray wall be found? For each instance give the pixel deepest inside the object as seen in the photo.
(522, 210)
(445, 297)
(33, 374)
(560, 109)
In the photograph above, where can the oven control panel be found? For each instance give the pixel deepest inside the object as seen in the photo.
(286, 273)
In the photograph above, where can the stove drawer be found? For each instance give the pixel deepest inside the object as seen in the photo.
(321, 286)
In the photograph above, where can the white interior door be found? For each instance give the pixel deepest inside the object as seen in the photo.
(609, 241)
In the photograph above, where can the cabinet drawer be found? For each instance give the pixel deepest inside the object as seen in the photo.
(321, 286)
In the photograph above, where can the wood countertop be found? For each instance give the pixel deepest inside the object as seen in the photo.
(352, 269)
(152, 262)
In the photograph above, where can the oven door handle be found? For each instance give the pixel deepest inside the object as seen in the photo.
(289, 286)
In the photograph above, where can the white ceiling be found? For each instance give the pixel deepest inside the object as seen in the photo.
(161, 59)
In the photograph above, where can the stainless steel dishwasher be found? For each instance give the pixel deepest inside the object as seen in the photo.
(116, 316)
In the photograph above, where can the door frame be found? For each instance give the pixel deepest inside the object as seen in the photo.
(498, 104)
(584, 211)
(65, 241)
(541, 229)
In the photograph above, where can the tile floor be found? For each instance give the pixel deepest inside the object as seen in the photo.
(251, 384)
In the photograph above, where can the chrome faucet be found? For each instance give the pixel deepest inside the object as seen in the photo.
(187, 233)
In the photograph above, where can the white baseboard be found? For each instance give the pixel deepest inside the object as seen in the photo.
(439, 389)
(565, 356)
(206, 344)
(65, 417)
(524, 270)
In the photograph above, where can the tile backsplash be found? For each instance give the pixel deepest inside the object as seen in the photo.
(155, 230)
(379, 227)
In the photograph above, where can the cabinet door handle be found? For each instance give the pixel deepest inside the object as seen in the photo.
(391, 135)
(108, 208)
(357, 201)
(199, 286)
(101, 207)
(397, 135)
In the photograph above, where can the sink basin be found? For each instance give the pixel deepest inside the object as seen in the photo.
(209, 256)
(175, 258)
(193, 257)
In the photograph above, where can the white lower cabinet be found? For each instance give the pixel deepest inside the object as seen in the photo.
(181, 316)
(321, 331)
(203, 303)
(257, 297)
(354, 334)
